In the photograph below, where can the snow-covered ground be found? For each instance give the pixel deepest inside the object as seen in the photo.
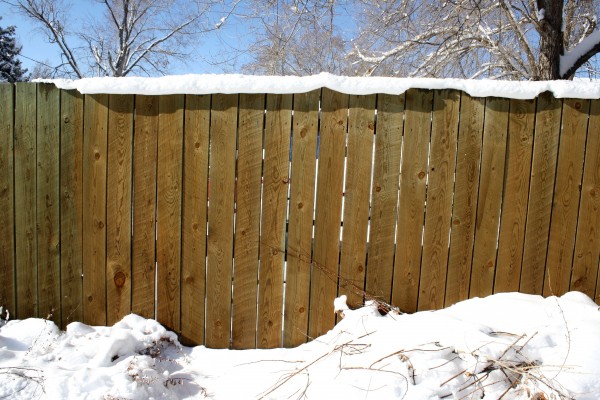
(509, 346)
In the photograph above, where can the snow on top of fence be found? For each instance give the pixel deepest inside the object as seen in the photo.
(212, 83)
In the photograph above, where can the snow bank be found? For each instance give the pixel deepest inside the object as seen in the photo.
(205, 84)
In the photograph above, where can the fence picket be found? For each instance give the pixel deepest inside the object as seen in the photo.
(48, 210)
(118, 207)
(220, 219)
(565, 204)
(361, 130)
(168, 210)
(587, 245)
(516, 191)
(302, 194)
(7, 190)
(71, 206)
(247, 220)
(195, 196)
(444, 131)
(489, 200)
(384, 196)
(143, 257)
(409, 230)
(94, 202)
(328, 211)
(541, 188)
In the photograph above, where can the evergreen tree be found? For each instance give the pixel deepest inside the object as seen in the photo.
(10, 66)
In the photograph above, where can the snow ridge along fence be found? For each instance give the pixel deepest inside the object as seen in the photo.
(196, 209)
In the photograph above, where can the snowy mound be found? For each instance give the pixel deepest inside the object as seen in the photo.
(509, 346)
(210, 83)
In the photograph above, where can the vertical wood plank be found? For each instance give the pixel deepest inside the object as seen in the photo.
(466, 187)
(220, 220)
(302, 193)
(195, 195)
(48, 207)
(71, 205)
(143, 260)
(565, 205)
(7, 191)
(444, 132)
(169, 182)
(516, 191)
(247, 220)
(334, 107)
(386, 172)
(273, 222)
(25, 200)
(587, 245)
(361, 129)
(541, 189)
(94, 202)
(118, 207)
(413, 174)
(491, 184)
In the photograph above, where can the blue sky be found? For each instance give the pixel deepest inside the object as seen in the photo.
(35, 44)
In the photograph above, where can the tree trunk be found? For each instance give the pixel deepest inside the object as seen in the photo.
(551, 39)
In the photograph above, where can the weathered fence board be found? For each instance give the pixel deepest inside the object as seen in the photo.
(220, 219)
(236, 219)
(300, 230)
(328, 211)
(47, 195)
(444, 130)
(466, 187)
(143, 262)
(413, 182)
(7, 190)
(94, 202)
(118, 207)
(247, 219)
(195, 193)
(361, 129)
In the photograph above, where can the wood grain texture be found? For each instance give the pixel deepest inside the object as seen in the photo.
(25, 152)
(541, 189)
(384, 196)
(361, 129)
(48, 204)
(71, 206)
(413, 178)
(466, 187)
(565, 205)
(94, 203)
(247, 220)
(442, 163)
(587, 244)
(220, 220)
(491, 185)
(334, 118)
(168, 210)
(7, 191)
(273, 223)
(118, 207)
(195, 196)
(143, 258)
(516, 191)
(302, 193)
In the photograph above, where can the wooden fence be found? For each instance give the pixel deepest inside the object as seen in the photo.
(237, 219)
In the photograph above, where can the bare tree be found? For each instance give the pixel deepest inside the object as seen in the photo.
(296, 37)
(509, 39)
(132, 36)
